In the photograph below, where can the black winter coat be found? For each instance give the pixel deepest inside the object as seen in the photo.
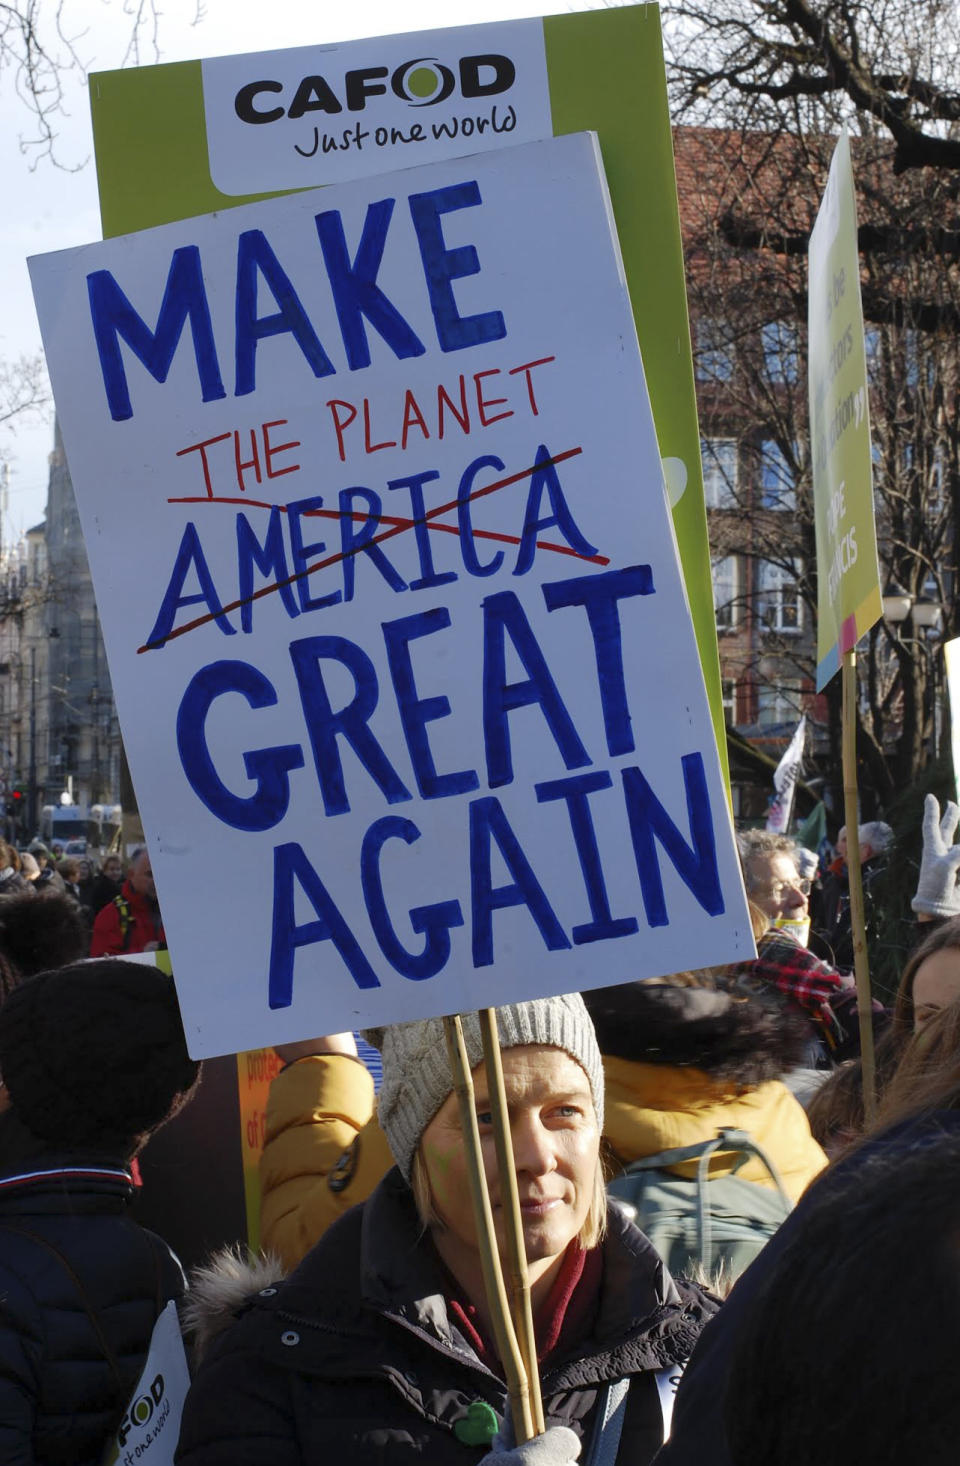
(354, 1358)
(60, 1399)
(699, 1434)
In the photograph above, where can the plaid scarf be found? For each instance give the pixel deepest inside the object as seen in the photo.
(798, 974)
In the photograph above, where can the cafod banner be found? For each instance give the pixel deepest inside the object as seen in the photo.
(194, 137)
(374, 508)
(849, 599)
(150, 1424)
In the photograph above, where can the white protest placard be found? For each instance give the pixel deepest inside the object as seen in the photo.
(405, 670)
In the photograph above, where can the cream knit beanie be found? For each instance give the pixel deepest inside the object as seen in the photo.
(416, 1071)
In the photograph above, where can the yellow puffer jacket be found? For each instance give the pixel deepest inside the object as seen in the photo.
(655, 1107)
(324, 1151)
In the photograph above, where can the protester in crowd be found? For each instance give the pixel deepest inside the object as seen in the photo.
(49, 878)
(37, 933)
(868, 1287)
(12, 880)
(29, 868)
(771, 875)
(836, 1110)
(931, 979)
(845, 1328)
(107, 884)
(786, 975)
(930, 984)
(324, 1150)
(85, 880)
(69, 870)
(131, 922)
(44, 861)
(927, 1075)
(834, 932)
(683, 1060)
(378, 1348)
(686, 1066)
(916, 1074)
(93, 1059)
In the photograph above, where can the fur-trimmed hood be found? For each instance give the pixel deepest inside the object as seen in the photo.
(221, 1289)
(734, 1040)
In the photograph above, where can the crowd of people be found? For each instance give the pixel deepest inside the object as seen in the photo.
(725, 1238)
(118, 905)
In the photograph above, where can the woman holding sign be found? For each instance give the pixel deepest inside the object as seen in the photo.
(378, 1347)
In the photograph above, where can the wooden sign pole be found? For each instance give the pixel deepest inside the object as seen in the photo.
(518, 1284)
(504, 1334)
(857, 922)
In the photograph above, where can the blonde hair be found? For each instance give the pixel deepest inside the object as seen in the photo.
(591, 1233)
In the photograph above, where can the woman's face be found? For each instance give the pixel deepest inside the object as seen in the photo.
(936, 984)
(556, 1150)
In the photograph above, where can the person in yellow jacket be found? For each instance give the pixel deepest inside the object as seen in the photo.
(324, 1151)
(681, 1059)
(684, 1059)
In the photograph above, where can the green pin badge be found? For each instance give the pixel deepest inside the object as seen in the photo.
(479, 1426)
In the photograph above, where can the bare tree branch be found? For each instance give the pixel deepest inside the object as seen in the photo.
(892, 64)
(24, 390)
(41, 47)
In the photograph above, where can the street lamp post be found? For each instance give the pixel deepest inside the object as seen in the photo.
(926, 616)
(928, 620)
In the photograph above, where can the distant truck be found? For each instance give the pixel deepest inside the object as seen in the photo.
(94, 831)
(103, 830)
(62, 822)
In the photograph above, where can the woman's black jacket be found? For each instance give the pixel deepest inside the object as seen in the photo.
(355, 1358)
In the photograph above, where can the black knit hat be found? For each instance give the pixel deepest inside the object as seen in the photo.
(38, 930)
(93, 1055)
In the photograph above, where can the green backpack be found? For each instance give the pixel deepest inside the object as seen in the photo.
(720, 1222)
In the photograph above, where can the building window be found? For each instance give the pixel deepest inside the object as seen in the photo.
(780, 353)
(778, 485)
(726, 585)
(719, 457)
(778, 605)
(728, 698)
(777, 705)
(713, 353)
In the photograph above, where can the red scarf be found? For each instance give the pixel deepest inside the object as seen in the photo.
(565, 1316)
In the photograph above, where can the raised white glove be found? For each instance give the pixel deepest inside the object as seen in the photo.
(937, 890)
(557, 1447)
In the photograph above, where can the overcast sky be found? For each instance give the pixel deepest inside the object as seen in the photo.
(47, 208)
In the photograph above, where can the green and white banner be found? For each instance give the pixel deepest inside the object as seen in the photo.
(198, 137)
(849, 599)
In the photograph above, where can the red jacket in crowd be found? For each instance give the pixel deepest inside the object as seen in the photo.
(117, 932)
